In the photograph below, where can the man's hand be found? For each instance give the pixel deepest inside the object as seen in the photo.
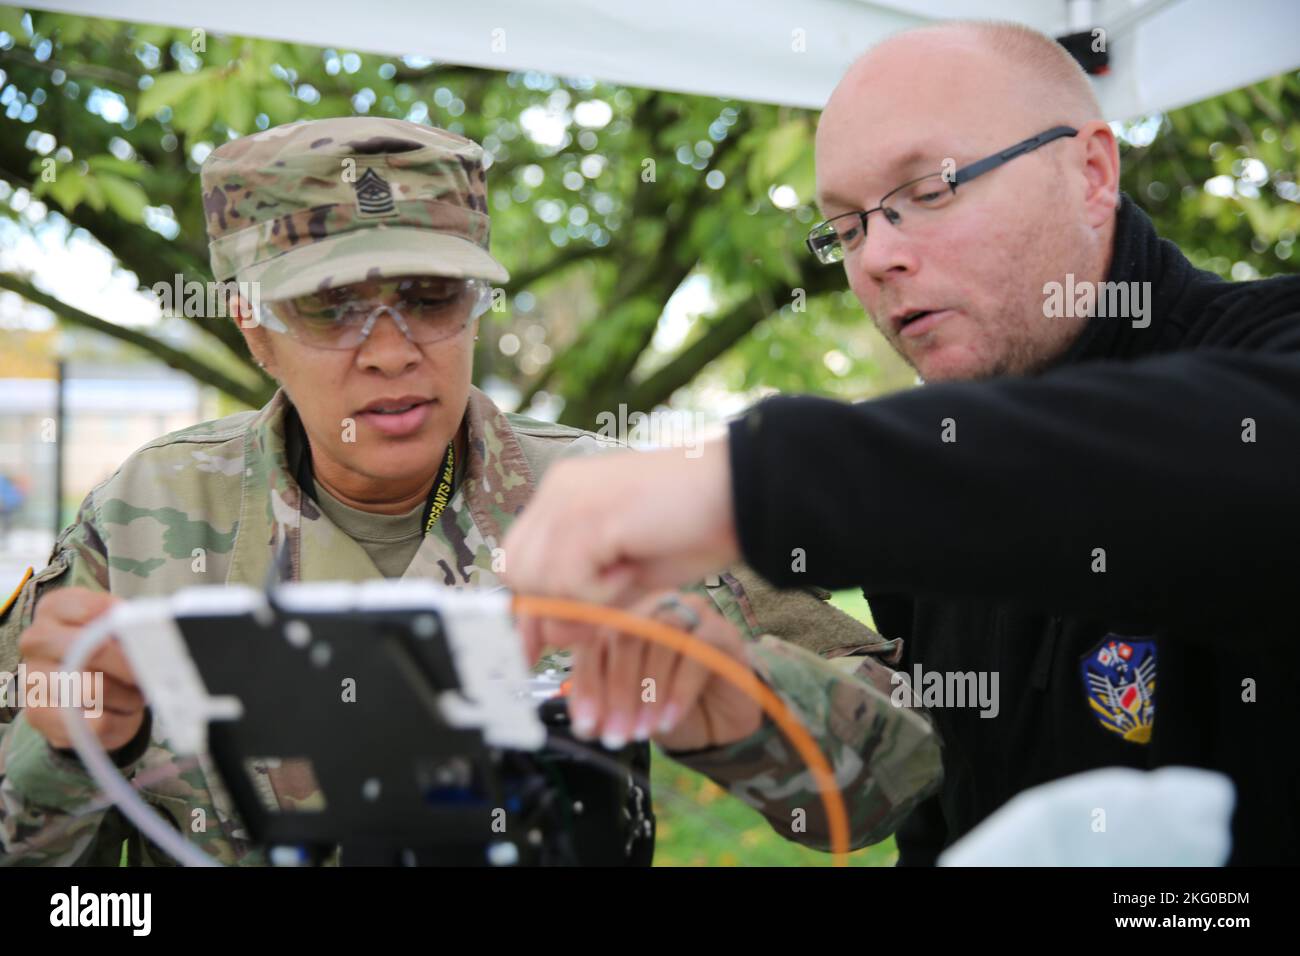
(625, 688)
(616, 527)
(59, 617)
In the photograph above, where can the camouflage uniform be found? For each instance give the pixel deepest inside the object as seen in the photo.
(217, 502)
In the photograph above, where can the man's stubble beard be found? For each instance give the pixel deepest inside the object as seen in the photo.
(1023, 354)
(1029, 350)
(1028, 355)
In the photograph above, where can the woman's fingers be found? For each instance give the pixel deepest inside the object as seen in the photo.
(623, 676)
(586, 697)
(625, 687)
(660, 664)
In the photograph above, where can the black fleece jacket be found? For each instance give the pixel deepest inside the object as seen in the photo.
(1144, 493)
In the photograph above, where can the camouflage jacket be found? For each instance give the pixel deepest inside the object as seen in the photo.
(215, 502)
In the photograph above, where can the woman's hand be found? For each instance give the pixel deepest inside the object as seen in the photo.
(60, 615)
(625, 688)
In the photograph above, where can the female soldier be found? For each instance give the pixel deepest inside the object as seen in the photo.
(358, 253)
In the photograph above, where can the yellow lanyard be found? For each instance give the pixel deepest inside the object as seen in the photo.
(442, 493)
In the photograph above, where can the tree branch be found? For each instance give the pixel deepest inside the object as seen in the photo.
(561, 260)
(106, 74)
(252, 395)
(723, 332)
(663, 273)
(151, 257)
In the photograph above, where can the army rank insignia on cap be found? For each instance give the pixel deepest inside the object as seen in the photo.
(374, 195)
(1119, 680)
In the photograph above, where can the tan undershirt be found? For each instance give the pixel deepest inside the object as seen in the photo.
(390, 540)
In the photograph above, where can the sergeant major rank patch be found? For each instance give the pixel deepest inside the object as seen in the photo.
(374, 195)
(1119, 680)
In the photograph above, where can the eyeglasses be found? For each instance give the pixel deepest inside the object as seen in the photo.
(830, 241)
(427, 309)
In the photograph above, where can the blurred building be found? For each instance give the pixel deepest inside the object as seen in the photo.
(110, 411)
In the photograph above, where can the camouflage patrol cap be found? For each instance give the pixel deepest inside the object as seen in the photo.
(322, 203)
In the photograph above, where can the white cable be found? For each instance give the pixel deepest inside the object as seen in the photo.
(102, 769)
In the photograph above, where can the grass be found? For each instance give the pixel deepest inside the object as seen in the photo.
(700, 824)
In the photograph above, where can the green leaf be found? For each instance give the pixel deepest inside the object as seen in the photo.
(262, 54)
(94, 195)
(126, 198)
(168, 89)
(705, 229)
(237, 104)
(11, 22)
(1239, 102)
(67, 188)
(278, 103)
(802, 176)
(784, 146)
(156, 34)
(71, 29)
(195, 113)
(104, 163)
(779, 150)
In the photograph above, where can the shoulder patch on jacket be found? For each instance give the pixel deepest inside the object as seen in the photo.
(1119, 682)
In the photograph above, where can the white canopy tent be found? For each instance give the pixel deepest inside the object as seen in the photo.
(1164, 53)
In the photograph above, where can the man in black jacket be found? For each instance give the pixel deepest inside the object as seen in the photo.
(1096, 495)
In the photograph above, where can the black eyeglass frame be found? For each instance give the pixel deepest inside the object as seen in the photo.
(963, 175)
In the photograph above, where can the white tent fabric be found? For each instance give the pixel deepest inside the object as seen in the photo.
(1164, 53)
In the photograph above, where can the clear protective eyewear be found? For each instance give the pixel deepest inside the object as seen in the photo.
(427, 309)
